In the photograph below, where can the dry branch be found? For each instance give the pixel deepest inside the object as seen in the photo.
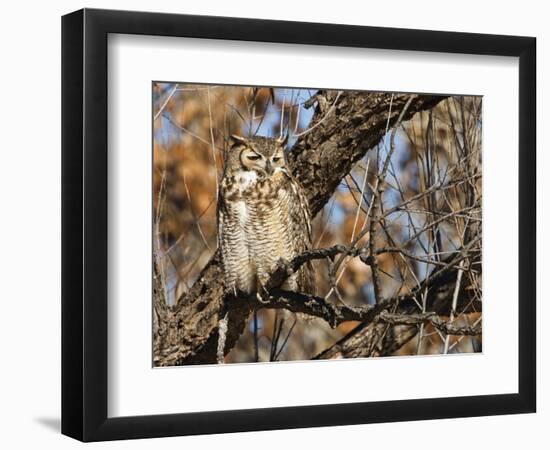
(431, 317)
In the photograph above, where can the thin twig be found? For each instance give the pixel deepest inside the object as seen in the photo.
(166, 102)
(213, 143)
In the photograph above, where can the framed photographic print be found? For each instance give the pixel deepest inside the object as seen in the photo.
(274, 224)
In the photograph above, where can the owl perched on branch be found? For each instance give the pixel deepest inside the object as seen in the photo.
(263, 216)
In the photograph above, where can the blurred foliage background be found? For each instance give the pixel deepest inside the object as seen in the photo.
(441, 147)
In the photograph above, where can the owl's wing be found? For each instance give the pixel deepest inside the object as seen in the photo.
(300, 217)
(301, 235)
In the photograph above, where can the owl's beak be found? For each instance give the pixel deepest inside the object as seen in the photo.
(269, 168)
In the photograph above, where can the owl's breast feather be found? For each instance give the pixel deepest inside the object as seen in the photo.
(247, 179)
(241, 210)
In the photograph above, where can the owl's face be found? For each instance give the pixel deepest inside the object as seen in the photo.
(262, 155)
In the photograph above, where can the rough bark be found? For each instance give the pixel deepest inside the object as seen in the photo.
(345, 126)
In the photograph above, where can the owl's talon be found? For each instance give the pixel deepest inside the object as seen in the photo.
(261, 300)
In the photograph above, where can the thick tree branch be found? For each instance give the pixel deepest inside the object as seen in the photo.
(320, 159)
(319, 307)
(343, 132)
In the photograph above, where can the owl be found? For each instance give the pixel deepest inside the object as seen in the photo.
(263, 216)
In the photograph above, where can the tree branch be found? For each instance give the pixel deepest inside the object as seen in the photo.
(318, 307)
(431, 317)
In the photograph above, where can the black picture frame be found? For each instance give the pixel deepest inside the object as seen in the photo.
(84, 224)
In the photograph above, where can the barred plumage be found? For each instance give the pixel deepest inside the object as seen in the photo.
(263, 215)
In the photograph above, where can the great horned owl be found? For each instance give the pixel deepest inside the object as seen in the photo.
(263, 215)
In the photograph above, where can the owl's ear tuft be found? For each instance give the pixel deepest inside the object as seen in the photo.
(283, 140)
(235, 139)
